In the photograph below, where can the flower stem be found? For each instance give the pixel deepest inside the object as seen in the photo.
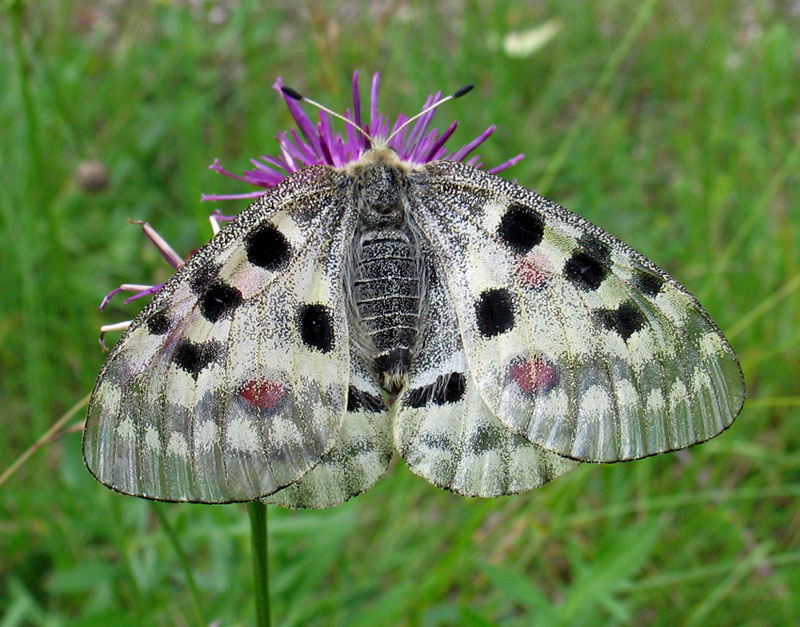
(259, 544)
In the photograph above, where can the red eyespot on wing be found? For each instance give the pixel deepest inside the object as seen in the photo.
(533, 375)
(262, 393)
(533, 271)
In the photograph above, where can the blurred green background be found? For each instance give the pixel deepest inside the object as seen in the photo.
(674, 125)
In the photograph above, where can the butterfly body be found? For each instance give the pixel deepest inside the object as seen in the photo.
(490, 336)
(386, 277)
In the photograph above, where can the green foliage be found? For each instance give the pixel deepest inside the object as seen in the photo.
(673, 125)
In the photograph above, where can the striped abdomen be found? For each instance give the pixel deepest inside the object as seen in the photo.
(387, 296)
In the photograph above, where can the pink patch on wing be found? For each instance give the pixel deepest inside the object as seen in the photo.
(248, 280)
(533, 270)
(533, 375)
(262, 393)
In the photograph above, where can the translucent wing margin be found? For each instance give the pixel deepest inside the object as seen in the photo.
(575, 341)
(232, 383)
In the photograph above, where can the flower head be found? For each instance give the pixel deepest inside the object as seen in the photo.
(312, 144)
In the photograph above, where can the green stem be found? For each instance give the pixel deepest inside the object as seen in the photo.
(259, 544)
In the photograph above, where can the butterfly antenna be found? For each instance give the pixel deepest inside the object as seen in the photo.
(301, 98)
(464, 90)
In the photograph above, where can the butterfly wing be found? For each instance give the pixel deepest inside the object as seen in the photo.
(360, 455)
(232, 383)
(574, 340)
(444, 428)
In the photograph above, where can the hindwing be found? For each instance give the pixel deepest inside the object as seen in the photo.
(445, 430)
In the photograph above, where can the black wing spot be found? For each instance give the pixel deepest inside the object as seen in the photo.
(625, 320)
(194, 358)
(521, 228)
(418, 397)
(494, 311)
(356, 399)
(202, 277)
(586, 271)
(268, 248)
(595, 247)
(219, 300)
(159, 323)
(648, 284)
(448, 388)
(316, 327)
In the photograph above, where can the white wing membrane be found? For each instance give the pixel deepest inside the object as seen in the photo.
(232, 383)
(575, 341)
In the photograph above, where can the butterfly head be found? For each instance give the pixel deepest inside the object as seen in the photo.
(379, 176)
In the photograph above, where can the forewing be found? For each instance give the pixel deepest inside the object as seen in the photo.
(443, 427)
(575, 341)
(232, 383)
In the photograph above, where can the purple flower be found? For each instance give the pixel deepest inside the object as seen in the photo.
(312, 144)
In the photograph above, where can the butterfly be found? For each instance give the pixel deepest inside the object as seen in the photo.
(392, 302)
